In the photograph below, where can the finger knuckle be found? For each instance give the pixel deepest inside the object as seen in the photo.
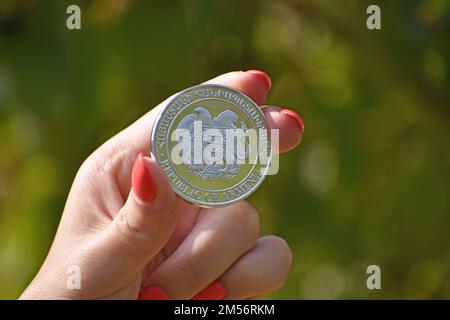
(189, 274)
(247, 218)
(133, 236)
(283, 257)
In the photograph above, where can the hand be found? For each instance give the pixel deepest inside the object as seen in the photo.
(131, 237)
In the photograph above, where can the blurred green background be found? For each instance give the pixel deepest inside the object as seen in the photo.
(369, 184)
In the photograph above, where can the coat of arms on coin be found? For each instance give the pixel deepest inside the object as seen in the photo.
(212, 143)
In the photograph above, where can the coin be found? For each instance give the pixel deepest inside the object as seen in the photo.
(212, 143)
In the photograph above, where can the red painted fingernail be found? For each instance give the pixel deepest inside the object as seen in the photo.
(295, 115)
(214, 291)
(153, 293)
(141, 180)
(264, 76)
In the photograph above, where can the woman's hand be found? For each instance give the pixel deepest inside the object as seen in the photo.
(130, 237)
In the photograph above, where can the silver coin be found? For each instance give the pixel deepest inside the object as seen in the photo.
(212, 143)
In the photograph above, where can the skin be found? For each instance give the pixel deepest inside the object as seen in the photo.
(123, 244)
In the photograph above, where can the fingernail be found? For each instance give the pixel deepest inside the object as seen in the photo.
(141, 180)
(264, 76)
(153, 293)
(214, 291)
(295, 115)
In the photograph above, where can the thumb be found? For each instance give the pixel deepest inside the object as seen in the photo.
(146, 221)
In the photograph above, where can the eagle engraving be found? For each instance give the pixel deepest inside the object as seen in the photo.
(227, 119)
